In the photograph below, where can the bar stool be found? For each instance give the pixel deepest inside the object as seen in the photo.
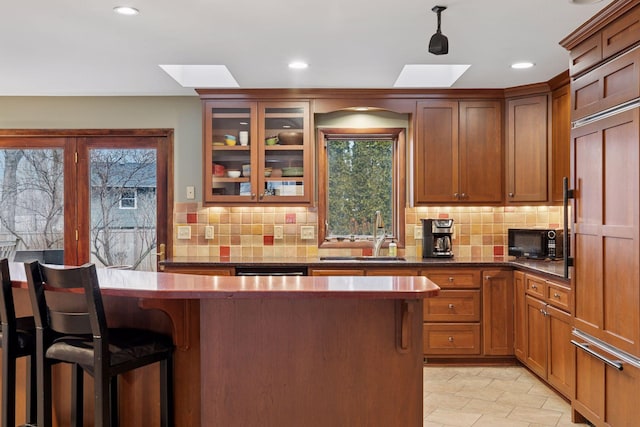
(18, 340)
(71, 327)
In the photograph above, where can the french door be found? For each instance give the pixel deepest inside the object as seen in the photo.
(86, 196)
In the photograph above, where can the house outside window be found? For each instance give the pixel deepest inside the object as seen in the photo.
(129, 198)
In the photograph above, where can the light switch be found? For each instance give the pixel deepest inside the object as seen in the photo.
(417, 232)
(191, 192)
(208, 232)
(278, 232)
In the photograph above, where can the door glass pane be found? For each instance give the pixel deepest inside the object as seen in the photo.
(31, 205)
(123, 208)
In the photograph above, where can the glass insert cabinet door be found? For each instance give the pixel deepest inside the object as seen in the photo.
(257, 152)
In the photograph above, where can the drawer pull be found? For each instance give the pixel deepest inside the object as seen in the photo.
(451, 307)
(450, 339)
(584, 346)
(556, 295)
(534, 287)
(451, 279)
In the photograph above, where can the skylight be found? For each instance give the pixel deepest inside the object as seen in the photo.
(201, 76)
(430, 75)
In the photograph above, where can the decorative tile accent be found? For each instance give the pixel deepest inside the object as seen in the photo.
(192, 218)
(267, 240)
(290, 218)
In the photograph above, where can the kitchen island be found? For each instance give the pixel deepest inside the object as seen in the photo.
(271, 351)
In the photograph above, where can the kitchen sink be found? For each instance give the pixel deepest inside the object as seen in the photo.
(362, 258)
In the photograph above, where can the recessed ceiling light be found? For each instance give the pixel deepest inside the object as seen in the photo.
(126, 10)
(521, 65)
(430, 75)
(298, 65)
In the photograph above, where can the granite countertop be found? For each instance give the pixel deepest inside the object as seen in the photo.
(552, 268)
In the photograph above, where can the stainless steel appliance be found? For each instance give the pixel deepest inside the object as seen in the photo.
(536, 243)
(437, 238)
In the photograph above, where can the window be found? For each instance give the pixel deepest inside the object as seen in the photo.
(361, 171)
(128, 199)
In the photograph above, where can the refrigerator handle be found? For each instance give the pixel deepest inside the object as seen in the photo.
(584, 346)
(566, 195)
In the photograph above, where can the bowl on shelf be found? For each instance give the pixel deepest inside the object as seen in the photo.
(290, 137)
(233, 174)
(272, 140)
(267, 172)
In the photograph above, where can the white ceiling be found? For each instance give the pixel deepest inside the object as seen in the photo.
(80, 47)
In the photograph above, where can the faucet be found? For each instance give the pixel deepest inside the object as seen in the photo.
(378, 239)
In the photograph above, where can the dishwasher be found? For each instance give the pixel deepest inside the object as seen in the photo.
(271, 271)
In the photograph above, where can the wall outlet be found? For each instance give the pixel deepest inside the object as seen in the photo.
(208, 232)
(278, 232)
(184, 232)
(417, 232)
(191, 192)
(307, 232)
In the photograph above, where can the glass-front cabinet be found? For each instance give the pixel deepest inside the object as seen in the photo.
(257, 152)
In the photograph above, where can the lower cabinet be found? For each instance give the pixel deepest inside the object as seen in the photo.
(543, 327)
(472, 315)
(204, 271)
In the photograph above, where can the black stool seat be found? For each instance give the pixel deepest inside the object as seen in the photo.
(25, 335)
(127, 347)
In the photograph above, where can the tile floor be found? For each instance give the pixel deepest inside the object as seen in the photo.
(507, 396)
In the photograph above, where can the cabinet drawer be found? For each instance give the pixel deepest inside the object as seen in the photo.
(586, 54)
(536, 286)
(453, 306)
(621, 33)
(454, 278)
(558, 296)
(451, 339)
(606, 86)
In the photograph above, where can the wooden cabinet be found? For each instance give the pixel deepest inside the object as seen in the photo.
(268, 174)
(527, 149)
(458, 152)
(369, 271)
(497, 312)
(203, 271)
(452, 319)
(335, 272)
(543, 330)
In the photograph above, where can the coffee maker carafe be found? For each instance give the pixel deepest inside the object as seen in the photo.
(436, 238)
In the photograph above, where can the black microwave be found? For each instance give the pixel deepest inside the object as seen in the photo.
(535, 243)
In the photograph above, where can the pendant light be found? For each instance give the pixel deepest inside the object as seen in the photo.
(439, 44)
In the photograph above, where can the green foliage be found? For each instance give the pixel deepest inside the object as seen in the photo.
(360, 183)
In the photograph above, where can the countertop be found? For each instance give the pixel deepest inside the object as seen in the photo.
(141, 284)
(551, 268)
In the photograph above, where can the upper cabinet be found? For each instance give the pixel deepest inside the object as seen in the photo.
(257, 152)
(458, 152)
(527, 149)
(560, 140)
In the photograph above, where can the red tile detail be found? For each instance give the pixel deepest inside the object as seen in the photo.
(225, 251)
(290, 218)
(192, 218)
(267, 240)
(498, 250)
(367, 252)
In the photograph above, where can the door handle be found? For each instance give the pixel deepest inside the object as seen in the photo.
(584, 346)
(162, 254)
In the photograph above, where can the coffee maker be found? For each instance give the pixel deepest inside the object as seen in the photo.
(436, 238)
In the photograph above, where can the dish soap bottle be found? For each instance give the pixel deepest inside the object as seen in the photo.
(393, 248)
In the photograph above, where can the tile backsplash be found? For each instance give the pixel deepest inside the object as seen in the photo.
(250, 231)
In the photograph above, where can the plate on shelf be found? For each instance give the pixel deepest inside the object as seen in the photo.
(292, 171)
(218, 143)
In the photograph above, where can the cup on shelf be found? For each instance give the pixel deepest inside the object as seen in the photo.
(243, 137)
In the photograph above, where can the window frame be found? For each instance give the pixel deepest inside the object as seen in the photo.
(399, 182)
(134, 198)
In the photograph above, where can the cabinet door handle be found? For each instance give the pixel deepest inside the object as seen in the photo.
(463, 196)
(451, 307)
(487, 277)
(450, 339)
(450, 279)
(510, 194)
(456, 195)
(585, 346)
